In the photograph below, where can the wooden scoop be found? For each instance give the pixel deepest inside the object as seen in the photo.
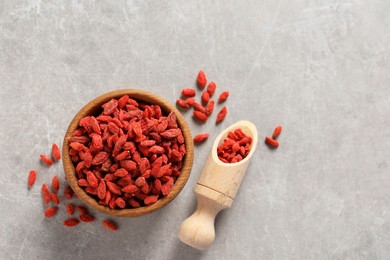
(215, 190)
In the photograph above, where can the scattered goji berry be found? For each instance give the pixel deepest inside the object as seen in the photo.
(224, 95)
(188, 92)
(55, 152)
(55, 183)
(200, 138)
(71, 222)
(211, 87)
(271, 142)
(109, 225)
(31, 178)
(277, 132)
(201, 79)
(46, 160)
(85, 217)
(205, 97)
(70, 209)
(221, 115)
(50, 212)
(209, 108)
(200, 116)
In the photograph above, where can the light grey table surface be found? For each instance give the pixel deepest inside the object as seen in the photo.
(319, 68)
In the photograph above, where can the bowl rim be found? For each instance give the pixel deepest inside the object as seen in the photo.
(95, 105)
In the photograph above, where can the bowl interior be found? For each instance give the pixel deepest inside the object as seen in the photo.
(94, 108)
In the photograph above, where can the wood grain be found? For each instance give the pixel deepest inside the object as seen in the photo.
(94, 108)
(216, 189)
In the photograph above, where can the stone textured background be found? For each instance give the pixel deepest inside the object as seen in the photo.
(319, 68)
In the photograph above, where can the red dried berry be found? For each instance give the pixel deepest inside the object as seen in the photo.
(188, 92)
(31, 178)
(71, 222)
(200, 116)
(150, 200)
(211, 87)
(277, 132)
(190, 101)
(109, 225)
(45, 160)
(271, 142)
(102, 189)
(221, 115)
(54, 198)
(45, 193)
(199, 107)
(120, 203)
(224, 95)
(55, 152)
(200, 138)
(209, 108)
(201, 79)
(70, 209)
(82, 209)
(113, 188)
(130, 189)
(85, 217)
(50, 212)
(55, 183)
(92, 180)
(205, 97)
(182, 103)
(68, 192)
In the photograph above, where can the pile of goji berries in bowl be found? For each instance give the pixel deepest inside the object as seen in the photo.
(128, 153)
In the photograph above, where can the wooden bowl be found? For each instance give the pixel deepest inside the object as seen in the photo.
(94, 108)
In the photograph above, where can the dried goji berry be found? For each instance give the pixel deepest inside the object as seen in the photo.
(92, 180)
(45, 193)
(120, 203)
(150, 200)
(221, 115)
(209, 108)
(190, 101)
(109, 225)
(70, 209)
(82, 209)
(55, 152)
(68, 192)
(102, 189)
(188, 92)
(182, 103)
(205, 97)
(54, 198)
(224, 95)
(130, 188)
(201, 79)
(55, 183)
(46, 160)
(200, 138)
(211, 87)
(271, 142)
(199, 107)
(71, 222)
(85, 217)
(200, 116)
(31, 178)
(113, 188)
(277, 132)
(50, 212)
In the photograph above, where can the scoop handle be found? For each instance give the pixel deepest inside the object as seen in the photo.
(198, 229)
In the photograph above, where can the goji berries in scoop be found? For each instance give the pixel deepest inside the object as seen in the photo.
(235, 147)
